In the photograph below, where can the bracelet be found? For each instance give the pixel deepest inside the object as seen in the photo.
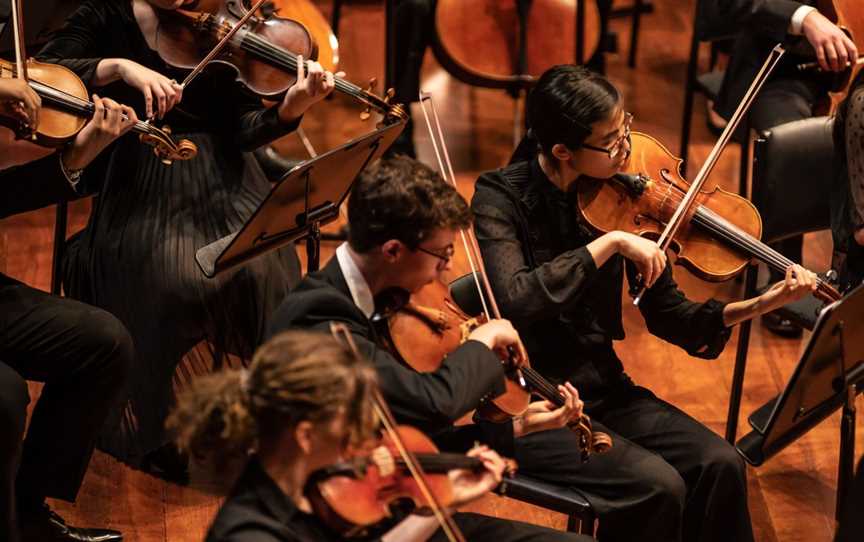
(73, 176)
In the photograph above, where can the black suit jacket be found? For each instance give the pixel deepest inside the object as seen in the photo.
(429, 401)
(762, 24)
(33, 185)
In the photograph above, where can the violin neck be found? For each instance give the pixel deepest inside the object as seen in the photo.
(72, 104)
(749, 245)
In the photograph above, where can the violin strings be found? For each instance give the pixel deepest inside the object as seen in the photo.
(708, 219)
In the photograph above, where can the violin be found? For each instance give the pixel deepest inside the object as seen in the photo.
(263, 53)
(307, 14)
(351, 496)
(498, 44)
(66, 107)
(722, 230)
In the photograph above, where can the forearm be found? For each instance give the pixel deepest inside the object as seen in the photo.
(108, 71)
(604, 247)
(740, 311)
(414, 528)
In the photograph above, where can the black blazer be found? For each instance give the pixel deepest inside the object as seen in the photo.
(33, 185)
(763, 23)
(429, 401)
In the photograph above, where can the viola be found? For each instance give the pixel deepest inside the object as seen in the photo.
(351, 496)
(263, 53)
(65, 104)
(499, 44)
(720, 234)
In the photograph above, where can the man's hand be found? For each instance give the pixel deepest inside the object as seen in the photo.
(797, 283)
(834, 49)
(502, 337)
(110, 121)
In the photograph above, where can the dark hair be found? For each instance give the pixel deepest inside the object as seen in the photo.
(401, 198)
(567, 100)
(295, 376)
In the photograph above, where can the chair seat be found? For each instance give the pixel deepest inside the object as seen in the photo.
(557, 498)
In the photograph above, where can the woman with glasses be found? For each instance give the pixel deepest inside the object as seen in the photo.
(668, 477)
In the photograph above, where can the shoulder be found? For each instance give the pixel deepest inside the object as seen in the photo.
(314, 302)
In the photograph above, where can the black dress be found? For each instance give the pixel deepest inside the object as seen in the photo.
(135, 258)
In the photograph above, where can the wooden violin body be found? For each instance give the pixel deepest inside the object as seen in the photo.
(307, 14)
(480, 42)
(354, 495)
(718, 237)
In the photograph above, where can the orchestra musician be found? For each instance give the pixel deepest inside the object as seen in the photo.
(789, 94)
(81, 353)
(561, 285)
(304, 402)
(136, 257)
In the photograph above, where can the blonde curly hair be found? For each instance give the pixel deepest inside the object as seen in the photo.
(295, 376)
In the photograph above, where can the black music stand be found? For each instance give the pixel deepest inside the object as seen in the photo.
(306, 198)
(829, 376)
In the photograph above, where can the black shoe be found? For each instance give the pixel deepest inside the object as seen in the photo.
(168, 464)
(44, 525)
(779, 325)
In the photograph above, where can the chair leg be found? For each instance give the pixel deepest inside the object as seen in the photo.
(740, 360)
(60, 220)
(744, 167)
(689, 91)
(634, 32)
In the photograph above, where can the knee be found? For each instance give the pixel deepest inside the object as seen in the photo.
(109, 341)
(14, 398)
(666, 489)
(723, 464)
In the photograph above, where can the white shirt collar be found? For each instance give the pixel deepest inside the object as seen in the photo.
(357, 284)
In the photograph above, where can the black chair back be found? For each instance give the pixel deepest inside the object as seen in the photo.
(464, 292)
(792, 176)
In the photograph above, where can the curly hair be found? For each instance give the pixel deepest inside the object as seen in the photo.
(295, 376)
(401, 198)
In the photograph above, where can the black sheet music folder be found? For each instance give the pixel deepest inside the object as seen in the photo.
(306, 198)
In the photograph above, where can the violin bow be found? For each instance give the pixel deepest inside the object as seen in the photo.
(341, 333)
(221, 45)
(20, 52)
(689, 199)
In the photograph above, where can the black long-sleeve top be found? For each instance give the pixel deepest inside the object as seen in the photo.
(213, 102)
(567, 310)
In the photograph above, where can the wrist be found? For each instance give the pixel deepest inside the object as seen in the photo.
(288, 112)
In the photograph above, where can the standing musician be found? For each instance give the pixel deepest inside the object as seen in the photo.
(136, 257)
(402, 219)
(789, 94)
(304, 402)
(847, 192)
(668, 477)
(81, 353)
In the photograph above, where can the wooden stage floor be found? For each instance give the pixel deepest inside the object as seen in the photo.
(791, 497)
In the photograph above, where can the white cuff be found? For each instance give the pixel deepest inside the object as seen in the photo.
(797, 20)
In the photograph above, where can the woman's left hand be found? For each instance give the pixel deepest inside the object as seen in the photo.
(797, 283)
(313, 85)
(468, 485)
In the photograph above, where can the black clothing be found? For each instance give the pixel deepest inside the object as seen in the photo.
(81, 353)
(847, 193)
(428, 401)
(667, 476)
(136, 257)
(546, 283)
(258, 511)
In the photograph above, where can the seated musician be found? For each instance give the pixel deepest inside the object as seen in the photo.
(789, 94)
(561, 284)
(847, 192)
(81, 353)
(302, 404)
(402, 221)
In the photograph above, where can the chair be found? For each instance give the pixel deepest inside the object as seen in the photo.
(580, 516)
(61, 216)
(796, 160)
(635, 12)
(708, 84)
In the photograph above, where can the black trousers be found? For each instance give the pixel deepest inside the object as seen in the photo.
(667, 478)
(479, 527)
(784, 100)
(82, 354)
